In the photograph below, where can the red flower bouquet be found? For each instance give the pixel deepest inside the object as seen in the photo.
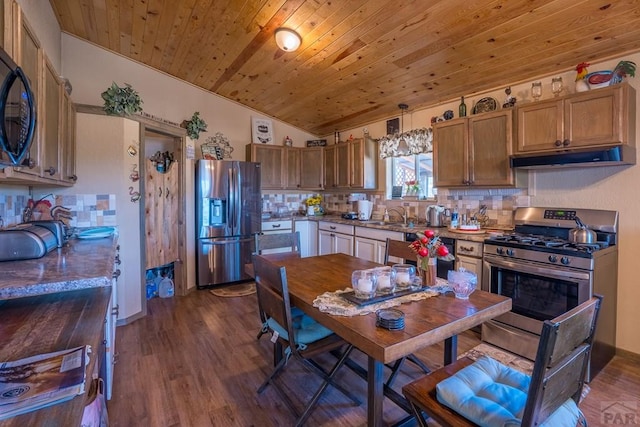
(428, 248)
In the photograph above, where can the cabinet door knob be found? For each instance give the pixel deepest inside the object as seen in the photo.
(116, 274)
(566, 142)
(51, 170)
(73, 177)
(159, 191)
(558, 143)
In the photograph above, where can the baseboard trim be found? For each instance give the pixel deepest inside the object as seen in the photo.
(628, 355)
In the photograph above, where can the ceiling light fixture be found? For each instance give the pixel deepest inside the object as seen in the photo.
(287, 39)
(403, 147)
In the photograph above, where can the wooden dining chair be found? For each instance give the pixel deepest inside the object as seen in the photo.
(303, 337)
(284, 242)
(488, 393)
(401, 250)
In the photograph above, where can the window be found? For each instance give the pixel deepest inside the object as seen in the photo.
(413, 174)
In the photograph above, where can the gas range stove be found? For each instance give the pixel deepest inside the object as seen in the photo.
(542, 235)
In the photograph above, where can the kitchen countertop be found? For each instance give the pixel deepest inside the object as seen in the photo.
(391, 226)
(79, 264)
(54, 303)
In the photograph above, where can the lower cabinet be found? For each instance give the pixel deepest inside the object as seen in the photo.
(275, 227)
(308, 237)
(371, 243)
(110, 355)
(469, 257)
(335, 238)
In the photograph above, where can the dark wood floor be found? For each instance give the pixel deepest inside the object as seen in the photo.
(195, 361)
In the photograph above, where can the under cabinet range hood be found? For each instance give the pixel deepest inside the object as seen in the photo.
(615, 156)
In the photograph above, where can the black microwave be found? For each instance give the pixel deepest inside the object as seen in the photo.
(17, 113)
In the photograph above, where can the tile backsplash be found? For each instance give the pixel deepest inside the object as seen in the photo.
(500, 203)
(87, 210)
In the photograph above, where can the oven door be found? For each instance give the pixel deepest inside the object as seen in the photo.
(538, 292)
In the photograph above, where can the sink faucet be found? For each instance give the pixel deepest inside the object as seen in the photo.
(402, 213)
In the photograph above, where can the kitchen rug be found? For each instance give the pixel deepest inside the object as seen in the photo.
(241, 290)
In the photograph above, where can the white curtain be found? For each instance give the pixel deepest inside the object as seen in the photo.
(418, 141)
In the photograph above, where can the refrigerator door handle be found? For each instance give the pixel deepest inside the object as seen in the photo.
(238, 198)
(231, 206)
(225, 241)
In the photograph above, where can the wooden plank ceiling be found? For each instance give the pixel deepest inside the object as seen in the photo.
(359, 58)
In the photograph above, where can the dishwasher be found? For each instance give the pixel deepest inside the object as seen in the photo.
(443, 266)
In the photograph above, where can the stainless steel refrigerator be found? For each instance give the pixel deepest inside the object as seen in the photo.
(228, 215)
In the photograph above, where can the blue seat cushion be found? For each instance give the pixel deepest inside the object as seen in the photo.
(305, 328)
(491, 394)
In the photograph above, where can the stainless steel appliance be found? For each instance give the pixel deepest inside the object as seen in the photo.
(58, 228)
(17, 111)
(228, 215)
(546, 275)
(26, 241)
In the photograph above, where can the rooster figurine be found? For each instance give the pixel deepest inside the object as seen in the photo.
(581, 82)
(611, 77)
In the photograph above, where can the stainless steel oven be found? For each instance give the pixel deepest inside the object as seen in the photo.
(545, 275)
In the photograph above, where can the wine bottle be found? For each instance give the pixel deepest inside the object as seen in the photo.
(462, 110)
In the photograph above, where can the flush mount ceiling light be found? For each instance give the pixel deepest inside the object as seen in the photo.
(287, 40)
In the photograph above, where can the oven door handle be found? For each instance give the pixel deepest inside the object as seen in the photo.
(530, 268)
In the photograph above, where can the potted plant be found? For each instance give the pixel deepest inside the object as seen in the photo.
(195, 126)
(121, 100)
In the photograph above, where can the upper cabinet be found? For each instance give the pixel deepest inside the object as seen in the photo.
(51, 159)
(290, 168)
(474, 151)
(351, 164)
(597, 118)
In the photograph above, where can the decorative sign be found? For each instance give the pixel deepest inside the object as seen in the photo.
(317, 143)
(393, 126)
(261, 131)
(217, 147)
(191, 152)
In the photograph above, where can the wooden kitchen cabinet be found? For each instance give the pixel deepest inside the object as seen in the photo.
(351, 164)
(50, 142)
(272, 160)
(161, 215)
(474, 151)
(305, 168)
(371, 243)
(51, 158)
(601, 117)
(312, 168)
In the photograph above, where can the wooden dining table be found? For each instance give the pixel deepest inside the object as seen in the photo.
(427, 322)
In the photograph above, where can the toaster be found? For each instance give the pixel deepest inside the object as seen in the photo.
(26, 241)
(56, 227)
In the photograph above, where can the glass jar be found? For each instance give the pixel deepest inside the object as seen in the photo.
(386, 280)
(536, 90)
(404, 275)
(364, 283)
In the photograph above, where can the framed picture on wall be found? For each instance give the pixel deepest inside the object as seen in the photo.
(261, 131)
(393, 126)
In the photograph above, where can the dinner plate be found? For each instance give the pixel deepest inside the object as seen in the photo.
(96, 233)
(485, 105)
(457, 230)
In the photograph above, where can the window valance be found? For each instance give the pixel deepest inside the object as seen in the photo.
(417, 141)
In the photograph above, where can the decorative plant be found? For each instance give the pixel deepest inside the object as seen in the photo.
(314, 201)
(121, 100)
(195, 126)
(429, 245)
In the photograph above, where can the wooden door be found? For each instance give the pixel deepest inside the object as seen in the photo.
(490, 145)
(450, 153)
(540, 126)
(271, 158)
(597, 117)
(292, 172)
(343, 163)
(161, 215)
(330, 167)
(312, 168)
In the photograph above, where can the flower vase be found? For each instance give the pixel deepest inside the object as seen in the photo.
(428, 269)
